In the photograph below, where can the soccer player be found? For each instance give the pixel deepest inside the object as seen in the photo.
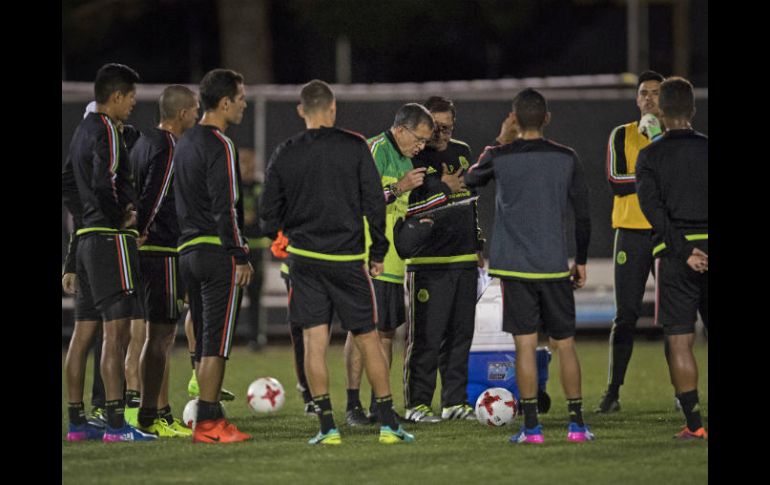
(672, 183)
(632, 252)
(320, 185)
(442, 275)
(536, 179)
(152, 161)
(392, 150)
(106, 255)
(213, 254)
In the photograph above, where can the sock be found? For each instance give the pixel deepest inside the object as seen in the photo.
(373, 404)
(165, 413)
(115, 410)
(575, 409)
(354, 401)
(385, 414)
(691, 409)
(208, 410)
(77, 413)
(147, 416)
(306, 397)
(529, 407)
(133, 398)
(192, 360)
(324, 408)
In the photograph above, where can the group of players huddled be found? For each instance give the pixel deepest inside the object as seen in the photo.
(158, 218)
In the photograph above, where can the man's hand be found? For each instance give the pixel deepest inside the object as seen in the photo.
(129, 217)
(649, 126)
(454, 180)
(578, 275)
(480, 257)
(243, 274)
(376, 268)
(698, 261)
(411, 179)
(508, 131)
(141, 240)
(69, 283)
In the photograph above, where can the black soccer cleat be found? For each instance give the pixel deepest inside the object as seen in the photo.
(356, 417)
(608, 404)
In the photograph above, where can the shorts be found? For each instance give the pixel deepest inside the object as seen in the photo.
(390, 305)
(680, 294)
(316, 290)
(163, 301)
(215, 299)
(529, 306)
(108, 278)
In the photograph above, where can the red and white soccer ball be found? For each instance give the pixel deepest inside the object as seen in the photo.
(190, 413)
(496, 407)
(265, 395)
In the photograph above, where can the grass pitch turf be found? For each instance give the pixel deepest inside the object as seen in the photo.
(632, 446)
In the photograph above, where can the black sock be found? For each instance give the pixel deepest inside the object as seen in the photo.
(354, 401)
(133, 399)
(575, 409)
(614, 390)
(373, 404)
(147, 416)
(385, 414)
(691, 409)
(77, 413)
(192, 360)
(115, 410)
(529, 407)
(165, 413)
(306, 397)
(208, 410)
(324, 408)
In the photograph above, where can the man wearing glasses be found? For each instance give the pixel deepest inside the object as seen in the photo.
(392, 150)
(441, 277)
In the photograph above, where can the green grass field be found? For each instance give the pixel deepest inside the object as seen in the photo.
(633, 446)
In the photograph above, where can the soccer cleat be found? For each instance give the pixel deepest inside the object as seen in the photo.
(687, 435)
(528, 436)
(97, 417)
(459, 411)
(421, 414)
(388, 436)
(179, 427)
(356, 417)
(331, 437)
(608, 404)
(159, 428)
(193, 390)
(131, 415)
(84, 432)
(579, 434)
(126, 433)
(192, 387)
(217, 431)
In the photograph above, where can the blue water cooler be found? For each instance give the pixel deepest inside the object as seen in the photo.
(491, 362)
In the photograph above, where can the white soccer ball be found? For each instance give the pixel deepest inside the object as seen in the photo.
(265, 395)
(190, 413)
(496, 407)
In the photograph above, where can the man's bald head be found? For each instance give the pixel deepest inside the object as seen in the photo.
(175, 98)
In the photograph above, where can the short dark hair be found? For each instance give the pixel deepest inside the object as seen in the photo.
(175, 98)
(316, 95)
(411, 115)
(677, 99)
(649, 76)
(217, 84)
(440, 104)
(530, 108)
(114, 77)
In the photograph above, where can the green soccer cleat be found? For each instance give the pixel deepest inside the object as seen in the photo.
(421, 414)
(389, 437)
(179, 427)
(131, 415)
(160, 428)
(193, 390)
(97, 417)
(459, 411)
(331, 437)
